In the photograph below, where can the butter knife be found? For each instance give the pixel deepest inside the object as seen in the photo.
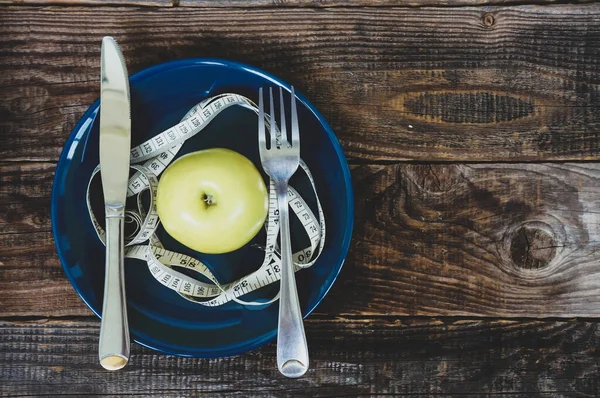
(115, 144)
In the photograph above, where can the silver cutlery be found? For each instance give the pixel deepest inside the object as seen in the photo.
(115, 144)
(280, 161)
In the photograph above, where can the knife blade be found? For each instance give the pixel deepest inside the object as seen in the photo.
(115, 144)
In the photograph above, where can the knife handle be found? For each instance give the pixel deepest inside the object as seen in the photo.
(113, 349)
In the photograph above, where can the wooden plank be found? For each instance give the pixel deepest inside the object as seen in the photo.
(359, 3)
(32, 280)
(75, 3)
(503, 240)
(349, 357)
(154, 3)
(429, 84)
(25, 197)
(498, 240)
(30, 271)
(286, 3)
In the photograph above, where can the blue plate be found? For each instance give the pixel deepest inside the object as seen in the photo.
(158, 317)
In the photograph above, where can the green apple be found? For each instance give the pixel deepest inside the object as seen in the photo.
(213, 201)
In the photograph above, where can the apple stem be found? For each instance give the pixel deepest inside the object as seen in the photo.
(208, 199)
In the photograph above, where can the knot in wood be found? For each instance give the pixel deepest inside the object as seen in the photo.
(488, 20)
(532, 248)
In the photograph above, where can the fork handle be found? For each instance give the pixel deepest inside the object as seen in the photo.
(292, 350)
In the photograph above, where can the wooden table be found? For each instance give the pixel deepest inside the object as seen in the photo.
(472, 129)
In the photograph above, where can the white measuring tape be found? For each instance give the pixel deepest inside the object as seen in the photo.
(143, 243)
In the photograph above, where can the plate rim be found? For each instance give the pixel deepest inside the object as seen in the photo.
(90, 114)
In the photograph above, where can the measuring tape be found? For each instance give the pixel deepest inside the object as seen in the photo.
(149, 160)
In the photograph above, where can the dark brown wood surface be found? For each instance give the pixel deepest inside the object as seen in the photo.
(472, 133)
(287, 3)
(497, 240)
(427, 84)
(383, 356)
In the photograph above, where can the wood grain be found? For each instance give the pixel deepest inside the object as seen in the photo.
(496, 240)
(30, 272)
(349, 357)
(285, 3)
(360, 3)
(492, 85)
(500, 240)
(25, 197)
(429, 84)
(135, 3)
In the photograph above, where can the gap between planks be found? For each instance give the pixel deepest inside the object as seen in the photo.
(317, 317)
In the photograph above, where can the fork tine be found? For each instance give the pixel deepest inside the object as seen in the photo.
(262, 139)
(284, 137)
(273, 126)
(295, 129)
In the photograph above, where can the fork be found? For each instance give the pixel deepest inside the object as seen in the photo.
(280, 161)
